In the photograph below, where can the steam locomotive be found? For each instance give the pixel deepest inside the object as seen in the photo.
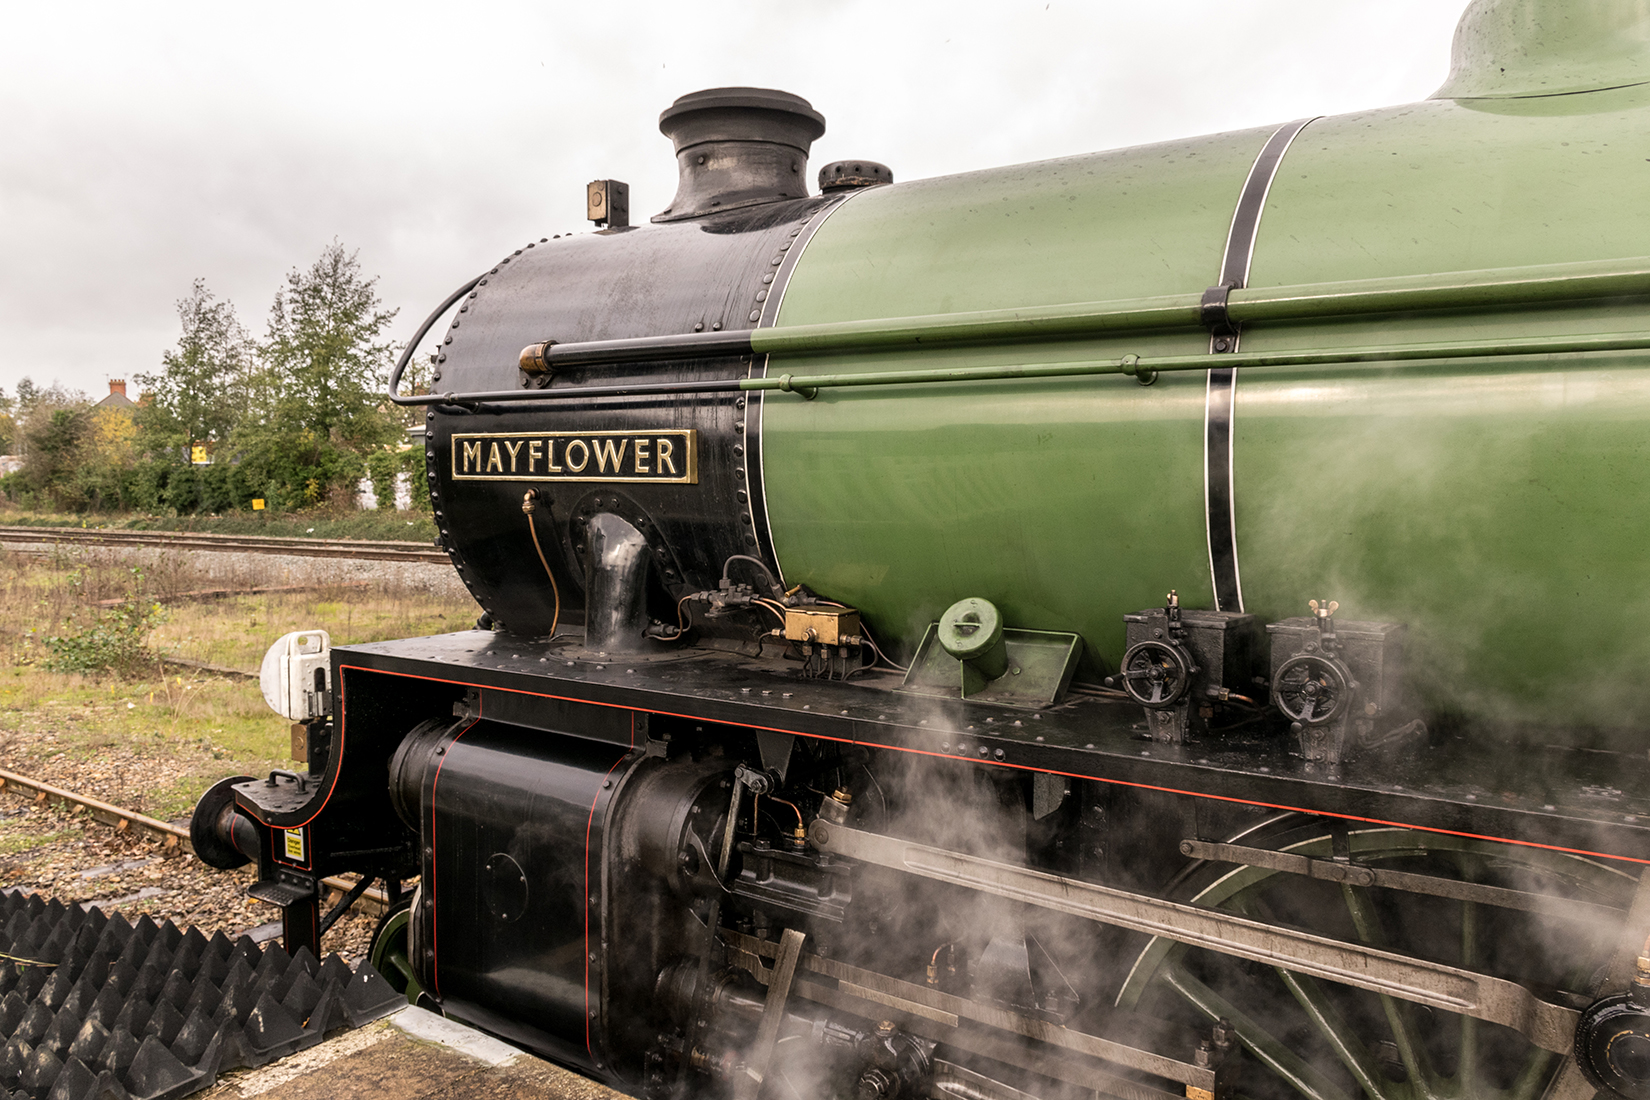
(1166, 622)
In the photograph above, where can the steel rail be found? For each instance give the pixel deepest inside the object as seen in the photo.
(356, 549)
(173, 838)
(1481, 996)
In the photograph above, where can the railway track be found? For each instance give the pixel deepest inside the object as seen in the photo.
(172, 838)
(42, 539)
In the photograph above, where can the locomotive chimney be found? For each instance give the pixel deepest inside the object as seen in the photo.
(738, 147)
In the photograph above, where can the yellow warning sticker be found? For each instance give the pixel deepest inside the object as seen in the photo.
(294, 844)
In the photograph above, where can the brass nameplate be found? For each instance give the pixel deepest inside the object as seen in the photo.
(670, 455)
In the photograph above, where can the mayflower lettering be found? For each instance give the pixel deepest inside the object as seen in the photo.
(668, 455)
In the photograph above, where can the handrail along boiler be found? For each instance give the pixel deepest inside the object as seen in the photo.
(1152, 623)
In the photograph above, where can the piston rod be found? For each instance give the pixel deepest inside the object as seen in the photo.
(1549, 1026)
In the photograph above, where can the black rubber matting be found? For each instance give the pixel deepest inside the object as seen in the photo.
(95, 1008)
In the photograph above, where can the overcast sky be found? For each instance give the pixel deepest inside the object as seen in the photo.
(146, 145)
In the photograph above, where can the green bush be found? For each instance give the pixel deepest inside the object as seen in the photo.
(116, 641)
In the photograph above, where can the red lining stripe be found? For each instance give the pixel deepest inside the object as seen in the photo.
(585, 903)
(336, 763)
(1074, 775)
(435, 947)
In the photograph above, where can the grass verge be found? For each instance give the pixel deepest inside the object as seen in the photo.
(154, 739)
(411, 526)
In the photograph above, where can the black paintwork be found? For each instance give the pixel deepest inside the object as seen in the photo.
(1571, 799)
(513, 817)
(704, 274)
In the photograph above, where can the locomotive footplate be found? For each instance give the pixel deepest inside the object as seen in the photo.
(1545, 796)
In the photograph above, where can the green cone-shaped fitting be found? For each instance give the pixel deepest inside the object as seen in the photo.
(1512, 48)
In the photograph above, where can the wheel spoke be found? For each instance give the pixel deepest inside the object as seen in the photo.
(1324, 1016)
(1261, 1043)
(1334, 1028)
(1399, 1015)
(1339, 1019)
(1534, 1077)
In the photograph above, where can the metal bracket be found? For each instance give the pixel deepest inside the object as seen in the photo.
(1549, 1026)
(774, 747)
(1212, 311)
(1214, 316)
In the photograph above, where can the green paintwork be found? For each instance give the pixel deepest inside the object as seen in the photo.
(1037, 668)
(1493, 288)
(1537, 47)
(1495, 503)
(903, 500)
(1146, 368)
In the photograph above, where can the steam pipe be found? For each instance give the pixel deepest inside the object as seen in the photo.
(1143, 367)
(1490, 288)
